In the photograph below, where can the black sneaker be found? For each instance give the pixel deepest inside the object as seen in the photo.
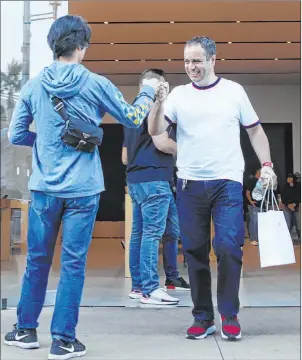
(177, 284)
(23, 338)
(62, 350)
(201, 329)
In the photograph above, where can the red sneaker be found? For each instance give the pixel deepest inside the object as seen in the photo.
(201, 329)
(230, 328)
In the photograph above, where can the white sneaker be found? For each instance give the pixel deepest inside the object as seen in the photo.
(135, 294)
(159, 297)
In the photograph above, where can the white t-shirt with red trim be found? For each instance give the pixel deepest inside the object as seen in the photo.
(208, 129)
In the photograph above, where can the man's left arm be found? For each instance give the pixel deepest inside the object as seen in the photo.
(258, 138)
(260, 143)
(19, 133)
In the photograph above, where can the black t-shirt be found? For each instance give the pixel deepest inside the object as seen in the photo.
(291, 195)
(144, 161)
(250, 186)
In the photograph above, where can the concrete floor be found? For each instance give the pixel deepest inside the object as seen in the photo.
(150, 334)
(105, 284)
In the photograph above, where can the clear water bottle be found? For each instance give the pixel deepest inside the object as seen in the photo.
(259, 191)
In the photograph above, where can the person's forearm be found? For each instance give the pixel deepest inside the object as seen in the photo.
(156, 119)
(260, 143)
(168, 147)
(124, 155)
(248, 195)
(22, 137)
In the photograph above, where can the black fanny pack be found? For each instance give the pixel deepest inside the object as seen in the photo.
(81, 135)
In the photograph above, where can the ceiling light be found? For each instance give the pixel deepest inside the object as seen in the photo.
(230, 42)
(276, 59)
(171, 22)
(143, 60)
(289, 42)
(222, 59)
(116, 60)
(169, 60)
(170, 43)
(106, 22)
(111, 43)
(237, 21)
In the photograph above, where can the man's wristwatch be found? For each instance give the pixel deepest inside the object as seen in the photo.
(268, 163)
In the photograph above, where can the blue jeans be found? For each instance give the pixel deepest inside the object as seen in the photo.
(154, 211)
(292, 219)
(197, 201)
(45, 216)
(253, 222)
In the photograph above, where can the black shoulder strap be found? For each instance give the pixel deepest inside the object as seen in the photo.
(59, 107)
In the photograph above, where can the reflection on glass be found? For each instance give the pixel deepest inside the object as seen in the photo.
(15, 169)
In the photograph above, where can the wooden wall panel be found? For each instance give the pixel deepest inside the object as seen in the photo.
(135, 33)
(228, 66)
(175, 51)
(147, 10)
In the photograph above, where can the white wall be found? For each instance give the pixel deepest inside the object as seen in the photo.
(280, 104)
(273, 104)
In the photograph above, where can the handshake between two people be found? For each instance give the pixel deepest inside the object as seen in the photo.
(161, 88)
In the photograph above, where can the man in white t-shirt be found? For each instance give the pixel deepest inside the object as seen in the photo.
(208, 113)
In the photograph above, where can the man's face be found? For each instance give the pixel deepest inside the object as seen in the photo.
(290, 180)
(196, 64)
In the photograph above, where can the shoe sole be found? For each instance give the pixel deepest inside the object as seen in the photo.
(210, 331)
(230, 337)
(22, 345)
(176, 288)
(154, 302)
(67, 356)
(132, 296)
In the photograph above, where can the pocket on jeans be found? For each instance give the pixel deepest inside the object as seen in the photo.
(86, 202)
(39, 202)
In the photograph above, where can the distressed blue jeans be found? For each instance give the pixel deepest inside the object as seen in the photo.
(292, 219)
(197, 202)
(45, 216)
(154, 213)
(253, 223)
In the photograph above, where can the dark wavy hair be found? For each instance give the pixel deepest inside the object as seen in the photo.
(293, 176)
(67, 34)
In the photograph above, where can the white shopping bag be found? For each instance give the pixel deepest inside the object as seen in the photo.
(275, 242)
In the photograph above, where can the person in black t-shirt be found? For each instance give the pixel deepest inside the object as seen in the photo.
(291, 199)
(253, 208)
(149, 173)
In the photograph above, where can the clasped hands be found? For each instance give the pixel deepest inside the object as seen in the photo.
(161, 88)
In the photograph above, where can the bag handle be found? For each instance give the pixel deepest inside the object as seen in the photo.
(59, 107)
(270, 185)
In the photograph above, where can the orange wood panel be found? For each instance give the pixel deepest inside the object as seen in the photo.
(228, 66)
(175, 51)
(5, 229)
(167, 10)
(179, 79)
(222, 32)
(109, 229)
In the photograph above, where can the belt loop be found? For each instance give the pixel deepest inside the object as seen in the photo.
(184, 184)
